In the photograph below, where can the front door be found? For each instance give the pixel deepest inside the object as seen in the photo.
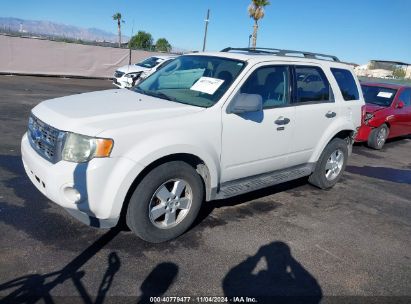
(259, 142)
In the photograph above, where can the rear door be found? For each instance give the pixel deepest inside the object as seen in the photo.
(315, 110)
(404, 114)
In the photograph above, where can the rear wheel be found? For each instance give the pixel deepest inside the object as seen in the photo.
(166, 202)
(378, 136)
(330, 165)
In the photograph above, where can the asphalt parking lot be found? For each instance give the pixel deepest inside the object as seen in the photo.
(291, 239)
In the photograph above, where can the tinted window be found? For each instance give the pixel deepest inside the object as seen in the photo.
(378, 95)
(271, 83)
(346, 83)
(312, 85)
(406, 97)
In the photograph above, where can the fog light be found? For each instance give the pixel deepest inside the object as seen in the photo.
(72, 195)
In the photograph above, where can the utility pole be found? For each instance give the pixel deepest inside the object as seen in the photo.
(129, 45)
(206, 28)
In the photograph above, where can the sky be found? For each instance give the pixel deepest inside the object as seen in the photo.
(353, 30)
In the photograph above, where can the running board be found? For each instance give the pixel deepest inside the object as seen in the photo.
(248, 184)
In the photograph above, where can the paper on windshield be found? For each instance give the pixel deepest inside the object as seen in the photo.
(207, 85)
(384, 94)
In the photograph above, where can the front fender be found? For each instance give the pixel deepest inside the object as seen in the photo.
(158, 146)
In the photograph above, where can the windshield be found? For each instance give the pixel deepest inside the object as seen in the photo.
(192, 79)
(378, 95)
(149, 62)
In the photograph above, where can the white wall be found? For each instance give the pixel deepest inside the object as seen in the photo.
(43, 57)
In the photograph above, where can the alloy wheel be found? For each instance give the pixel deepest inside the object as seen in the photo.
(170, 203)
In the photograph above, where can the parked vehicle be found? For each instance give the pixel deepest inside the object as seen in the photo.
(387, 113)
(206, 126)
(129, 75)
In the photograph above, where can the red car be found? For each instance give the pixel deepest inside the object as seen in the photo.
(386, 114)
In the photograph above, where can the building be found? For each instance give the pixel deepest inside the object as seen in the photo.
(382, 69)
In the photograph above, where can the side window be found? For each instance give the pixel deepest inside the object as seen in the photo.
(406, 97)
(271, 83)
(312, 85)
(346, 83)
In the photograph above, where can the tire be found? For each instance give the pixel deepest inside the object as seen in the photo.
(331, 164)
(378, 136)
(156, 202)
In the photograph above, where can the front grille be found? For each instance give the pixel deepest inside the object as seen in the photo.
(118, 74)
(45, 139)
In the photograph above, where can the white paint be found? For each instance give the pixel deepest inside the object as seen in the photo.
(145, 129)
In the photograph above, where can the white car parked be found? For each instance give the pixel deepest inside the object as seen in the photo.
(128, 75)
(206, 126)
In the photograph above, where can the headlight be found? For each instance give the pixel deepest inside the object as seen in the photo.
(132, 75)
(367, 117)
(80, 148)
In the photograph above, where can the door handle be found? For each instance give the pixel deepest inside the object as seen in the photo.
(330, 114)
(281, 121)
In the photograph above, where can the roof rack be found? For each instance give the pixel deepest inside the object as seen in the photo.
(280, 52)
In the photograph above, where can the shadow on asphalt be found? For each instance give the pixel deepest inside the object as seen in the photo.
(32, 288)
(387, 174)
(251, 209)
(158, 281)
(272, 275)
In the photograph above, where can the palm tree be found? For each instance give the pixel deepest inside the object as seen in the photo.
(256, 11)
(117, 16)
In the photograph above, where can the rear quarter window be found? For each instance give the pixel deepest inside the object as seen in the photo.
(346, 83)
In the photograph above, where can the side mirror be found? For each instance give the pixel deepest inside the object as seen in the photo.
(243, 103)
(400, 105)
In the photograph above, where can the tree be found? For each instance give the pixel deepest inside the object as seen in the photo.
(399, 73)
(256, 11)
(372, 65)
(142, 40)
(117, 17)
(162, 45)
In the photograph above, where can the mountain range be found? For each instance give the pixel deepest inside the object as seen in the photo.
(48, 28)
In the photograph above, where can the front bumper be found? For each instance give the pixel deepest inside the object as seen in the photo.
(363, 133)
(122, 82)
(101, 183)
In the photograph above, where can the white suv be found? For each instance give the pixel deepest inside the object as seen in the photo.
(206, 126)
(128, 75)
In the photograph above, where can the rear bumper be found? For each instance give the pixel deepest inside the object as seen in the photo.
(92, 192)
(363, 133)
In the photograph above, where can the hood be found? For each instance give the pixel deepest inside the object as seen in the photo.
(132, 69)
(92, 113)
(372, 108)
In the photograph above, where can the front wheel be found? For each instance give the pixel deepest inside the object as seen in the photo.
(331, 164)
(166, 202)
(377, 137)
